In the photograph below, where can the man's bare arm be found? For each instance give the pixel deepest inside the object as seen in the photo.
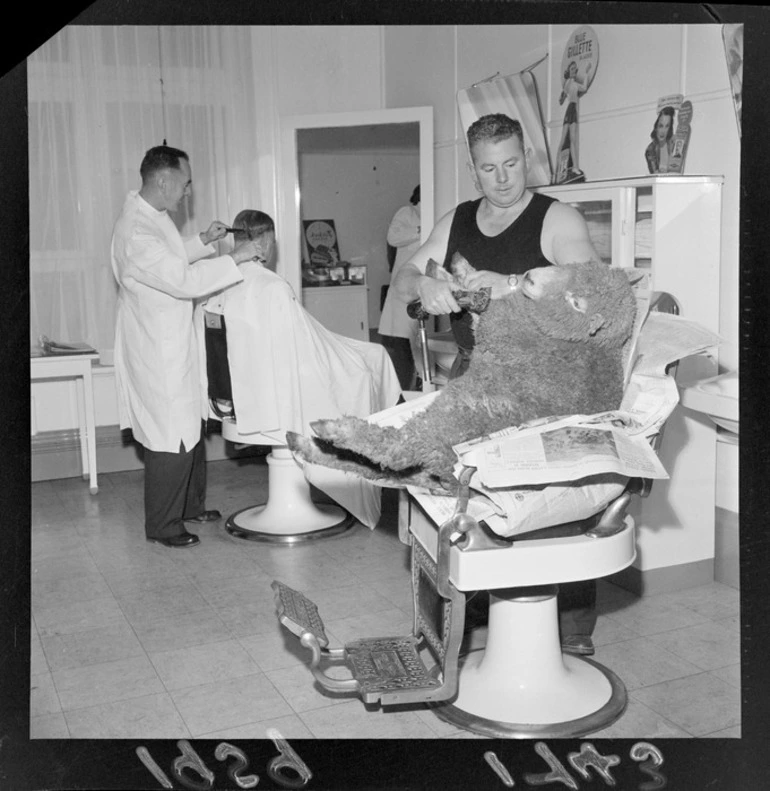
(565, 238)
(410, 282)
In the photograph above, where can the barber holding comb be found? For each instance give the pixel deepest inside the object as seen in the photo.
(161, 389)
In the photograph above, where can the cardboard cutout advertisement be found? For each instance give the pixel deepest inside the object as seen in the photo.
(670, 135)
(578, 69)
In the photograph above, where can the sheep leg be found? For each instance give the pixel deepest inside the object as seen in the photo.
(383, 445)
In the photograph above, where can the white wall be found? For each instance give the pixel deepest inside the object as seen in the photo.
(360, 191)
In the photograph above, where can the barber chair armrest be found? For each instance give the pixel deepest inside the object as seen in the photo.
(613, 520)
(476, 537)
(473, 537)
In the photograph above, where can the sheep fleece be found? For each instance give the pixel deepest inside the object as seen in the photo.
(532, 359)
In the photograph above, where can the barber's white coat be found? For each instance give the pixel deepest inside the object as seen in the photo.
(161, 388)
(288, 370)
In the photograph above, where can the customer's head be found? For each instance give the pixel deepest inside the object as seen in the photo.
(166, 177)
(252, 224)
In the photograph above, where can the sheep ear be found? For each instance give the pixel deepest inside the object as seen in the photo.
(595, 323)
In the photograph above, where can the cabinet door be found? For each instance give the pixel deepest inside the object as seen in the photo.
(340, 309)
(611, 216)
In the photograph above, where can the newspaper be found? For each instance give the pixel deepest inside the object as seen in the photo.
(565, 450)
(397, 415)
(640, 283)
(666, 338)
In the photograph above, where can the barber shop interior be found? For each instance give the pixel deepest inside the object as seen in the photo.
(276, 485)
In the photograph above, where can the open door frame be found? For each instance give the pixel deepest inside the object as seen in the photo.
(289, 232)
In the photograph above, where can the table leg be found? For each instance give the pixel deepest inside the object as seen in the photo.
(80, 388)
(88, 387)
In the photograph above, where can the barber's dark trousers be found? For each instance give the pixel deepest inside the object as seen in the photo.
(576, 600)
(174, 489)
(400, 352)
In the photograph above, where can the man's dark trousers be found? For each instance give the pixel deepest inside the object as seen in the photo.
(174, 489)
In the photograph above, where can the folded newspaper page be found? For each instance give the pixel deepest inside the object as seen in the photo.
(566, 450)
(640, 283)
(397, 415)
(666, 338)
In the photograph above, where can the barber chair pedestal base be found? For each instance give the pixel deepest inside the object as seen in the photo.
(522, 672)
(289, 515)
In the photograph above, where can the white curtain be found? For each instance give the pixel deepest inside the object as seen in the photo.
(99, 97)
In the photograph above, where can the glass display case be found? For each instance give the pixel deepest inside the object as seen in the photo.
(667, 225)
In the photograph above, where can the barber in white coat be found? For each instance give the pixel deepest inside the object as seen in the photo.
(161, 390)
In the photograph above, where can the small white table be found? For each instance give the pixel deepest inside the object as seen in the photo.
(78, 367)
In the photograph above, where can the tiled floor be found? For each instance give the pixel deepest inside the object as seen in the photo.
(133, 640)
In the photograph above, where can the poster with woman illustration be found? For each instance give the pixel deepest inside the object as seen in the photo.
(578, 69)
(732, 35)
(670, 135)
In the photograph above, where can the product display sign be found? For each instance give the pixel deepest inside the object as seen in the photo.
(321, 239)
(670, 135)
(578, 69)
(732, 35)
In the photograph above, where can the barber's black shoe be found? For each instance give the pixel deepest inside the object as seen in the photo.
(206, 516)
(181, 541)
(579, 644)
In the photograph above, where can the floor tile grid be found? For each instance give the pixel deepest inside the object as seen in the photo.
(53, 502)
(346, 552)
(325, 700)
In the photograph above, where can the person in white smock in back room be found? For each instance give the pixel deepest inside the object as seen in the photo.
(399, 333)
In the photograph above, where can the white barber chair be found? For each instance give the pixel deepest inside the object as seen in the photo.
(519, 683)
(289, 515)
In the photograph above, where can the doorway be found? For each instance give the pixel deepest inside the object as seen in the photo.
(357, 169)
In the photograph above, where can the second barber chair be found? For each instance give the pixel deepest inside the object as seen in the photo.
(289, 515)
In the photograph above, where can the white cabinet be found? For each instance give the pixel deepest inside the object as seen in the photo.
(341, 309)
(670, 226)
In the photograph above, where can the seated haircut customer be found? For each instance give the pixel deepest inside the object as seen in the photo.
(286, 368)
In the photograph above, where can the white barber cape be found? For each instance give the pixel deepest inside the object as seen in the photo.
(161, 389)
(288, 370)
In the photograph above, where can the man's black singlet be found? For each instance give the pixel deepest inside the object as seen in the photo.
(513, 251)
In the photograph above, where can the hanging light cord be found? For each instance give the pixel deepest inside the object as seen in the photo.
(162, 87)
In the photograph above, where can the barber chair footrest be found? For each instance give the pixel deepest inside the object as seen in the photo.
(297, 613)
(389, 666)
(383, 669)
